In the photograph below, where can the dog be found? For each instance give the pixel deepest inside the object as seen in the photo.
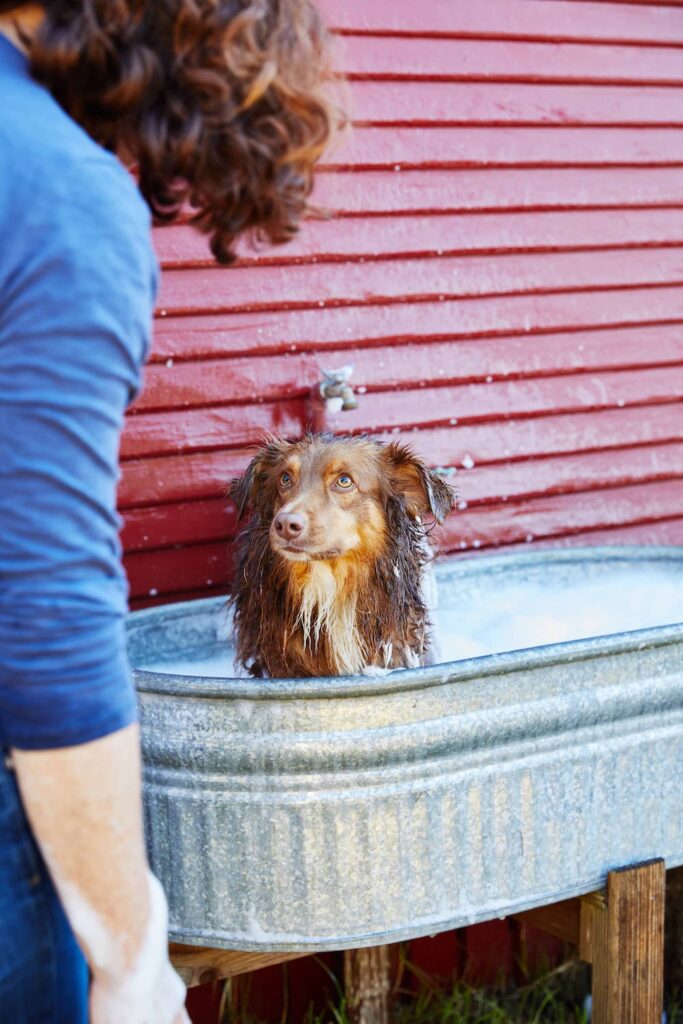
(334, 561)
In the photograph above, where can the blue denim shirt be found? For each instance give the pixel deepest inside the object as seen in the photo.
(77, 282)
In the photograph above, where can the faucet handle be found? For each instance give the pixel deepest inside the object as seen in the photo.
(335, 390)
(339, 376)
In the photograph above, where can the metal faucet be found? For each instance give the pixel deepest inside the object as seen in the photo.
(335, 390)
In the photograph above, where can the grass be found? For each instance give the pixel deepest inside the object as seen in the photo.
(555, 998)
(550, 1000)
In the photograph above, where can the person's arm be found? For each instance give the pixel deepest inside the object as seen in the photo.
(76, 289)
(84, 807)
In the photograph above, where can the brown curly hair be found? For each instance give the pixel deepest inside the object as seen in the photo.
(225, 105)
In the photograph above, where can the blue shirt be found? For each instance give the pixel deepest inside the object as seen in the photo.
(77, 280)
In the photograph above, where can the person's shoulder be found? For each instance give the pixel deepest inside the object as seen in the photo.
(54, 169)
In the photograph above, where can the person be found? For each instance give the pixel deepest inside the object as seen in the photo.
(223, 107)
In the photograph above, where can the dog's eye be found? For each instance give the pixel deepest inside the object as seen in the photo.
(285, 480)
(344, 481)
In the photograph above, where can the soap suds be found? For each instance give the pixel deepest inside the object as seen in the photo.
(491, 614)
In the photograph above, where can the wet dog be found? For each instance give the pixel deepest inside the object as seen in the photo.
(333, 563)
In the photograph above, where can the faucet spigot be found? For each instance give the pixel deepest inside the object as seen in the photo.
(336, 391)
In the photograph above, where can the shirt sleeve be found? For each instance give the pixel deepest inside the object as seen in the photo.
(74, 329)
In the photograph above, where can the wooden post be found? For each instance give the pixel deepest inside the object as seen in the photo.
(673, 940)
(625, 942)
(368, 985)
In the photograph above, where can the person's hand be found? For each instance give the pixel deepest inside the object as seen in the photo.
(149, 991)
(112, 1003)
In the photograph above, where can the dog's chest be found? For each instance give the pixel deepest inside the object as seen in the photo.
(327, 618)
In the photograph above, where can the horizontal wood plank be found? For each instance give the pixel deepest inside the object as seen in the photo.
(559, 515)
(329, 327)
(661, 531)
(405, 148)
(452, 60)
(180, 478)
(198, 567)
(509, 19)
(201, 965)
(481, 103)
(215, 519)
(249, 379)
(561, 919)
(498, 189)
(380, 281)
(221, 427)
(440, 234)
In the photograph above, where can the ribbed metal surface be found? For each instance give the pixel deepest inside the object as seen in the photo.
(322, 814)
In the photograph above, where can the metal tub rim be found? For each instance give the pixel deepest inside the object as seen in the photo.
(399, 680)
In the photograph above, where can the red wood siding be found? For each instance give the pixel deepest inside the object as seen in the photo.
(503, 269)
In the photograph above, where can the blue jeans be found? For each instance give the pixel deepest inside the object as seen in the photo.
(43, 974)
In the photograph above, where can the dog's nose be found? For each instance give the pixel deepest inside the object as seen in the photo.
(289, 525)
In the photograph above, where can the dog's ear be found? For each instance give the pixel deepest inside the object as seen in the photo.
(242, 487)
(423, 491)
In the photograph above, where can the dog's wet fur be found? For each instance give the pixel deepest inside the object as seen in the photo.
(330, 579)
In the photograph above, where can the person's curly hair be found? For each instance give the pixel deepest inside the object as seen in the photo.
(223, 104)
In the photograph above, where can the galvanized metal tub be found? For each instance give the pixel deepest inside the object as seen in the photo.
(333, 813)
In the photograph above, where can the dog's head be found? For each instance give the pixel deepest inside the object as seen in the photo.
(324, 497)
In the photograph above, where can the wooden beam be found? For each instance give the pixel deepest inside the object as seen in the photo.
(625, 940)
(198, 965)
(562, 920)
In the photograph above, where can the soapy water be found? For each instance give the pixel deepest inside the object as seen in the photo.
(521, 614)
(483, 615)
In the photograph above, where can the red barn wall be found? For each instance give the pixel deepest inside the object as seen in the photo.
(503, 269)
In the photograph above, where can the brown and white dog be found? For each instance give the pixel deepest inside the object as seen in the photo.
(332, 564)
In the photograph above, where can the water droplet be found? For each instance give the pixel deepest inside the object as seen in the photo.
(169, 363)
(362, 389)
(528, 539)
(462, 545)
(163, 312)
(453, 421)
(397, 167)
(468, 462)
(462, 505)
(621, 403)
(489, 379)
(476, 543)
(153, 592)
(292, 348)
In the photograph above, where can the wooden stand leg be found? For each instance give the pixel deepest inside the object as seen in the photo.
(368, 985)
(673, 938)
(625, 940)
